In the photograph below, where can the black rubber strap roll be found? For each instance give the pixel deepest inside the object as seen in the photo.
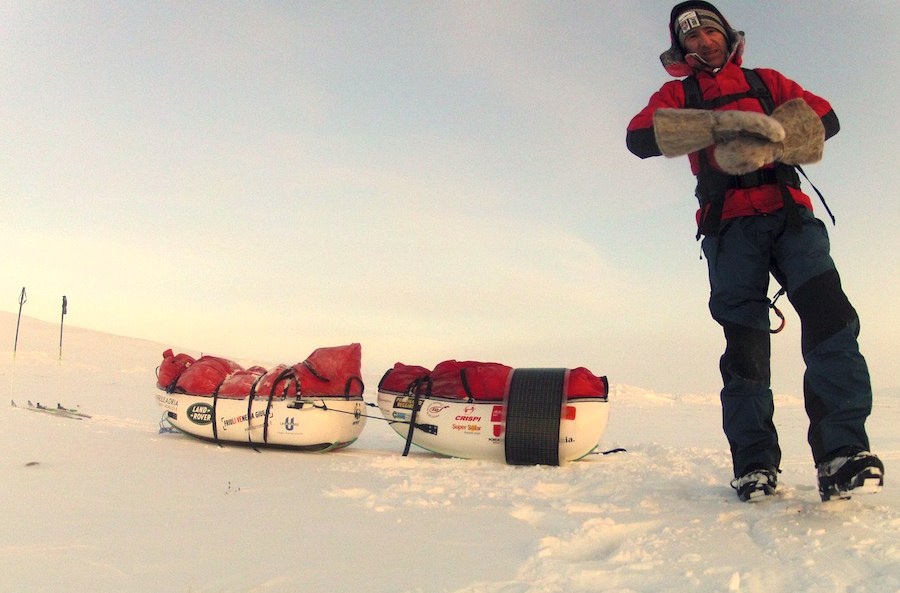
(533, 416)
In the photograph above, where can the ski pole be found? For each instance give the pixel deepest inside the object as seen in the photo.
(12, 375)
(22, 299)
(61, 320)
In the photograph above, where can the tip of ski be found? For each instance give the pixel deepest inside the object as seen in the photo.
(58, 410)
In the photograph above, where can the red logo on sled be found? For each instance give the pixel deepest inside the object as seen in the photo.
(570, 413)
(497, 414)
(498, 430)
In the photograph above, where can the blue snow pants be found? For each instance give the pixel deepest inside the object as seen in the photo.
(836, 386)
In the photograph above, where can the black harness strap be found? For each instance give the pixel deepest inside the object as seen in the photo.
(215, 396)
(726, 99)
(414, 390)
(250, 409)
(289, 374)
(215, 429)
(533, 413)
(465, 384)
(693, 97)
(818, 193)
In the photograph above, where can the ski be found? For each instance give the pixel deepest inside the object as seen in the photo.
(59, 410)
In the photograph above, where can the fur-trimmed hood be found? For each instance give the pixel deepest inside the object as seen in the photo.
(676, 62)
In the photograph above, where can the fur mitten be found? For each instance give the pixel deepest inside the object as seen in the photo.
(743, 155)
(682, 131)
(804, 133)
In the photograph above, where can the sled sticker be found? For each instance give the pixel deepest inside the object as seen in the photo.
(200, 414)
(167, 402)
(497, 414)
(407, 403)
(435, 409)
(229, 422)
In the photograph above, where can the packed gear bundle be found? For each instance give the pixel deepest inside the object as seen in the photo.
(327, 371)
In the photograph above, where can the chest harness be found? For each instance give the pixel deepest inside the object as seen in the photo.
(713, 184)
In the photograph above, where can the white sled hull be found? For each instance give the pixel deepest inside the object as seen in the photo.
(306, 423)
(477, 430)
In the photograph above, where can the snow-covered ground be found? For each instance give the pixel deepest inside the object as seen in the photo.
(111, 505)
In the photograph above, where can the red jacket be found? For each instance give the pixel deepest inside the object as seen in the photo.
(730, 80)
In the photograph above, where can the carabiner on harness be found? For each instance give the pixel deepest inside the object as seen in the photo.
(777, 312)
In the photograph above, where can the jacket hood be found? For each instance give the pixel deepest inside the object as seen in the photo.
(674, 59)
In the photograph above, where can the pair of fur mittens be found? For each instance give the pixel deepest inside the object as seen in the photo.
(803, 143)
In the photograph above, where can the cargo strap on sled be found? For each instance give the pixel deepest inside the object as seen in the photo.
(533, 415)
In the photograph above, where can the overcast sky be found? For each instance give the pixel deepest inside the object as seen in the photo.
(434, 180)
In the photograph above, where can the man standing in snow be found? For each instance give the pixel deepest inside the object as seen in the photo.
(756, 221)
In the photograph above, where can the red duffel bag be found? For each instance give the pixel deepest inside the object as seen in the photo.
(241, 383)
(206, 375)
(171, 368)
(331, 371)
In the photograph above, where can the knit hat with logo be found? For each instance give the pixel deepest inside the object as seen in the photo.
(696, 18)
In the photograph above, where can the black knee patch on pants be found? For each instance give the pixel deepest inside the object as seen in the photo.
(823, 308)
(746, 355)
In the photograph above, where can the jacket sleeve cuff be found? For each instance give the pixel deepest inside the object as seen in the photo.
(642, 142)
(831, 123)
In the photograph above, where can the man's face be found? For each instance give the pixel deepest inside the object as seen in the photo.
(709, 44)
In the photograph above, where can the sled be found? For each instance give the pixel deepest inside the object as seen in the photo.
(490, 411)
(315, 405)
